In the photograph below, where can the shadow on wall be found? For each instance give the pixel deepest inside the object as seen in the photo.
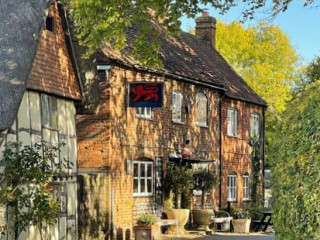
(93, 206)
(121, 235)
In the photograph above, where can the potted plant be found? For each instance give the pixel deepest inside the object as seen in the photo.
(178, 180)
(204, 180)
(241, 220)
(146, 228)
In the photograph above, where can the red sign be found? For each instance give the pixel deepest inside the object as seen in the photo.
(145, 94)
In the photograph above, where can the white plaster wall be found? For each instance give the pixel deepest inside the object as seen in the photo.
(28, 129)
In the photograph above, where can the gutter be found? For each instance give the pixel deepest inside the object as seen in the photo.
(220, 151)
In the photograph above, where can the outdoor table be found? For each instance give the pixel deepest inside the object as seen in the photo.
(264, 220)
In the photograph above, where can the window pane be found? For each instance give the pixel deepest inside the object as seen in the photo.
(135, 170)
(135, 185)
(149, 181)
(142, 170)
(45, 110)
(148, 112)
(142, 185)
(54, 112)
(149, 171)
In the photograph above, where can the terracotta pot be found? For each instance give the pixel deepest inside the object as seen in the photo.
(241, 225)
(202, 218)
(182, 215)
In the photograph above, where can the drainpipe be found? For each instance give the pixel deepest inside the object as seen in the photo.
(220, 151)
(263, 149)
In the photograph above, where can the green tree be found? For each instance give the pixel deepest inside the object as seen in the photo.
(24, 186)
(264, 57)
(100, 21)
(178, 180)
(296, 167)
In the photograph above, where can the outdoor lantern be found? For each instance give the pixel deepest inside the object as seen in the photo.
(128, 166)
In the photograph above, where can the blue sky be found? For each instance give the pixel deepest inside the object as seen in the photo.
(302, 24)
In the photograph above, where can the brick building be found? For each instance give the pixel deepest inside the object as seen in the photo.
(123, 151)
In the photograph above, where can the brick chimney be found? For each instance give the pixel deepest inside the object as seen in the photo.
(206, 28)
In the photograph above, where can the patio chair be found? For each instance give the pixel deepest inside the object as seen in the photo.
(221, 221)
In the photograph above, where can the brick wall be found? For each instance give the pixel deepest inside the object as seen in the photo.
(52, 70)
(107, 138)
(236, 152)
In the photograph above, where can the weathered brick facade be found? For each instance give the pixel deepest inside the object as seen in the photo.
(236, 151)
(114, 134)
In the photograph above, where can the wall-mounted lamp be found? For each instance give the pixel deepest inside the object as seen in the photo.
(128, 166)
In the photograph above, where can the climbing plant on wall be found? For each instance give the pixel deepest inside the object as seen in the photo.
(255, 169)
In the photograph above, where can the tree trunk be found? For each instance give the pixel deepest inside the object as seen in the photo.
(203, 198)
(178, 200)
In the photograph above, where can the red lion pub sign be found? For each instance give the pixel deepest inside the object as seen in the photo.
(145, 94)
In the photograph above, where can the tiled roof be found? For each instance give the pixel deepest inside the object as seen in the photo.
(190, 57)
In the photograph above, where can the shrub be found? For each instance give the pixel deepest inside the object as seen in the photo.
(146, 220)
(240, 213)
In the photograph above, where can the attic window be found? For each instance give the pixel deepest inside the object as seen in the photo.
(49, 24)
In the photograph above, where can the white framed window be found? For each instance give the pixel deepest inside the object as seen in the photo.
(246, 189)
(142, 178)
(232, 187)
(143, 112)
(255, 125)
(201, 110)
(232, 129)
(177, 106)
(49, 111)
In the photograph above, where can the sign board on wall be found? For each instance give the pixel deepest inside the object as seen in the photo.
(145, 94)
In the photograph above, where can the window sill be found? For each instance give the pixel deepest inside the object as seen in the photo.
(232, 136)
(144, 118)
(232, 201)
(177, 122)
(246, 200)
(142, 196)
(203, 126)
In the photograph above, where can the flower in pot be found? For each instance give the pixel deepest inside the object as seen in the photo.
(241, 220)
(178, 180)
(204, 180)
(146, 228)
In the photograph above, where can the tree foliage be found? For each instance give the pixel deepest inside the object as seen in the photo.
(24, 186)
(204, 180)
(178, 180)
(264, 57)
(103, 21)
(296, 167)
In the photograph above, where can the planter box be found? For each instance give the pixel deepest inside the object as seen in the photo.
(147, 232)
(241, 225)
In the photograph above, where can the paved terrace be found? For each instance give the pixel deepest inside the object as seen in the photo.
(220, 236)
